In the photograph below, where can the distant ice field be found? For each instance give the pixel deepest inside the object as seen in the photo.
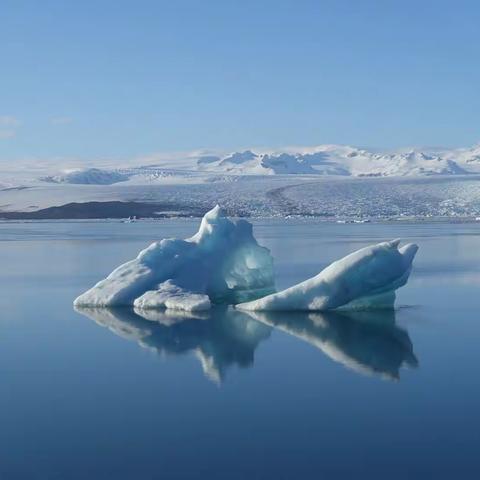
(325, 181)
(328, 197)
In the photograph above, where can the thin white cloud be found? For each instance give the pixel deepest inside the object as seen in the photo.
(7, 133)
(9, 121)
(61, 120)
(8, 126)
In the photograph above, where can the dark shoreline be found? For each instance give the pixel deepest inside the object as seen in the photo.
(102, 210)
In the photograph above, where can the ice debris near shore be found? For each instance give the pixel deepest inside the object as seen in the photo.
(221, 263)
(365, 279)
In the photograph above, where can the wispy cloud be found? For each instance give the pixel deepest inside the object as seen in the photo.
(8, 126)
(61, 120)
(9, 121)
(5, 133)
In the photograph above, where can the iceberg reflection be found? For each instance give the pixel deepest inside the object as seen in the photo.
(220, 338)
(366, 342)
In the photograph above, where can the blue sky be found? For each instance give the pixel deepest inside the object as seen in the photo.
(117, 79)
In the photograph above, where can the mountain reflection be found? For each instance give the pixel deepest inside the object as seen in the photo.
(366, 342)
(220, 338)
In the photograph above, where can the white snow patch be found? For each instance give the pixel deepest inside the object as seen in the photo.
(171, 296)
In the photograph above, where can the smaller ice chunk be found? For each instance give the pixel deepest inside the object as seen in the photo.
(365, 279)
(169, 295)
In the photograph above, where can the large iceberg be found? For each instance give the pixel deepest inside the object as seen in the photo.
(221, 263)
(365, 279)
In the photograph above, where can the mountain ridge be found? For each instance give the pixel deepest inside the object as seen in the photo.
(336, 160)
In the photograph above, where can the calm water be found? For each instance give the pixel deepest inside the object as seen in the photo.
(110, 394)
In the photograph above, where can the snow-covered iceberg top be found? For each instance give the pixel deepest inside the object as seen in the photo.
(221, 263)
(365, 279)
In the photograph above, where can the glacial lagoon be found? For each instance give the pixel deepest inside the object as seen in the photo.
(119, 393)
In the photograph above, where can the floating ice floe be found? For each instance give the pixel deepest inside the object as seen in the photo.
(365, 279)
(223, 264)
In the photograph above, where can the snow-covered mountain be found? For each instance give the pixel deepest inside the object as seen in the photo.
(344, 160)
(321, 160)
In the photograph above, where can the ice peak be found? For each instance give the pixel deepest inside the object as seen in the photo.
(215, 213)
(214, 222)
(408, 252)
(395, 243)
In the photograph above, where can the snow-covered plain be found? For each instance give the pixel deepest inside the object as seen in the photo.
(327, 181)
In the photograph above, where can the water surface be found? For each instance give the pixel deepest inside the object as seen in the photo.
(126, 394)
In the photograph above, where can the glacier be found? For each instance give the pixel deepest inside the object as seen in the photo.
(324, 181)
(365, 279)
(221, 263)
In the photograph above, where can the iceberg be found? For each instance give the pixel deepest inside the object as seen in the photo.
(365, 279)
(221, 264)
